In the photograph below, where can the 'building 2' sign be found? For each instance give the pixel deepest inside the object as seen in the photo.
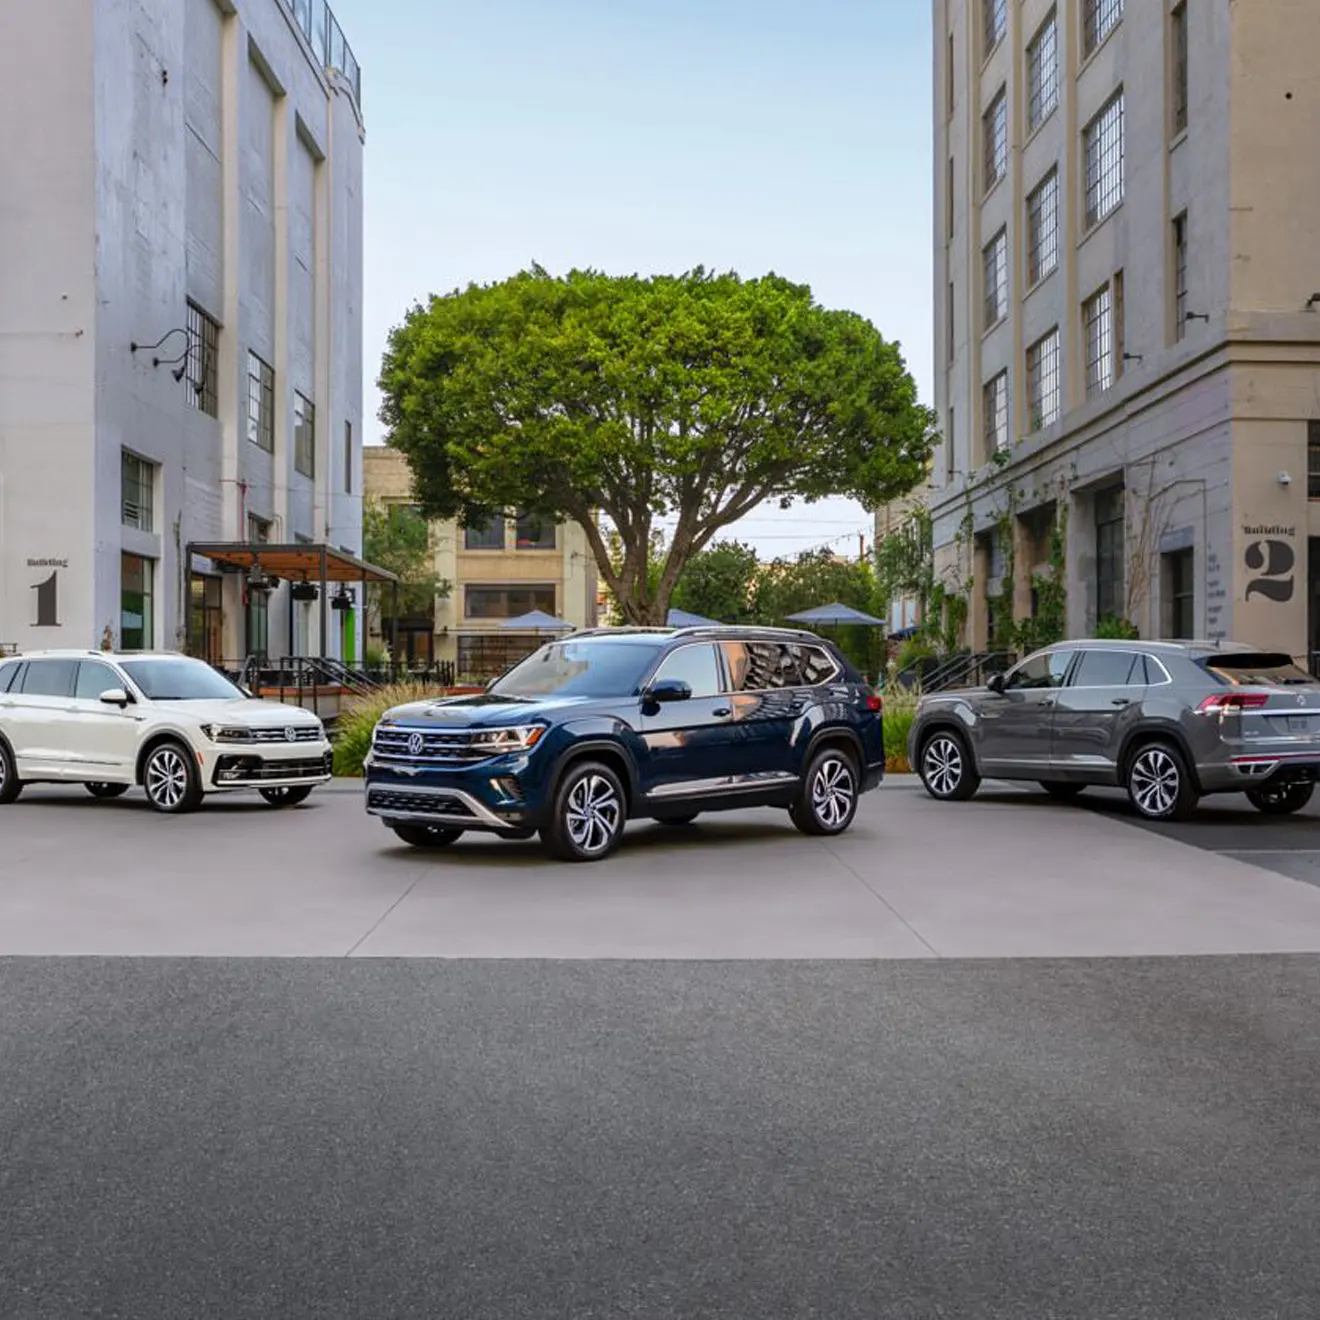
(1271, 561)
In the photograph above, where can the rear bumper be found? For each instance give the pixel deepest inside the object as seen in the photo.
(1258, 768)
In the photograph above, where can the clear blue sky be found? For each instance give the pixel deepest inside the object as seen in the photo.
(653, 135)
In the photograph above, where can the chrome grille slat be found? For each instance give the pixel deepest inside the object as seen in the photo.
(438, 748)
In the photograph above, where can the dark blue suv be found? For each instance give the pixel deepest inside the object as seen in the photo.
(621, 724)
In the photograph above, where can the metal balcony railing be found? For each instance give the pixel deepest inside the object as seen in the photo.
(318, 24)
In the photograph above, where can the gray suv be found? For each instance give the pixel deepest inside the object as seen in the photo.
(1168, 721)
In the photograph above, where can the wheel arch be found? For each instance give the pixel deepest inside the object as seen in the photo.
(943, 723)
(608, 753)
(150, 744)
(836, 735)
(1161, 731)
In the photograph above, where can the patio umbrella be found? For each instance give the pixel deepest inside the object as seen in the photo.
(682, 619)
(837, 614)
(537, 621)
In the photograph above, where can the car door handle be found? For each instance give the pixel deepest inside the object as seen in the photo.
(722, 712)
(1047, 701)
(1122, 701)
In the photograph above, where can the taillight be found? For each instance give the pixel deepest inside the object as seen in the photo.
(1225, 703)
(875, 702)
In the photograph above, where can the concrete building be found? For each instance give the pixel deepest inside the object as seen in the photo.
(516, 565)
(180, 317)
(1127, 294)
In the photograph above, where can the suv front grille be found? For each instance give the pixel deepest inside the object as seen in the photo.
(415, 804)
(436, 748)
(302, 733)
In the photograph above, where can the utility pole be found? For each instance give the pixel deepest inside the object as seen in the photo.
(861, 547)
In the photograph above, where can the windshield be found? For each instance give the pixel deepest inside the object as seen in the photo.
(180, 679)
(578, 669)
(1266, 670)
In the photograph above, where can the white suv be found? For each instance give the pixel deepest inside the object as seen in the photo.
(172, 724)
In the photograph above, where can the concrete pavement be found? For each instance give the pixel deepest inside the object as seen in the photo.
(1008, 875)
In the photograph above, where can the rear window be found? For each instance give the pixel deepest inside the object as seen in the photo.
(760, 666)
(7, 673)
(1266, 669)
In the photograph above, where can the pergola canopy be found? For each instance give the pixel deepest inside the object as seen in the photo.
(297, 562)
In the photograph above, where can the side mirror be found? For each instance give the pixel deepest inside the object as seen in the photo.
(996, 683)
(115, 697)
(668, 689)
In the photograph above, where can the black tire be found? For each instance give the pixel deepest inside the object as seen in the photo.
(1062, 792)
(679, 822)
(287, 796)
(827, 801)
(1159, 784)
(10, 784)
(169, 776)
(104, 792)
(589, 812)
(946, 768)
(417, 835)
(1282, 799)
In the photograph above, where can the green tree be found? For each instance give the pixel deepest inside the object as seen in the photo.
(690, 399)
(397, 537)
(720, 583)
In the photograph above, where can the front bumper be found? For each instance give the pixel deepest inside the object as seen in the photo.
(265, 770)
(501, 795)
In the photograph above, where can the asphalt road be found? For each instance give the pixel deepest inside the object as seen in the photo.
(703, 1118)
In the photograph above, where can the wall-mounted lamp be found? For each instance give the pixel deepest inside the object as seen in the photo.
(1285, 478)
(1196, 316)
(163, 362)
(1133, 357)
(1312, 300)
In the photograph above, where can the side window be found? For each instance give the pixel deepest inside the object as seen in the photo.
(1041, 671)
(93, 679)
(760, 666)
(7, 673)
(1110, 669)
(49, 678)
(697, 666)
(816, 664)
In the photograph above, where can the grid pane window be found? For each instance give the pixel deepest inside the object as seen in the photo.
(1043, 73)
(1180, 276)
(994, 134)
(202, 377)
(1099, 19)
(996, 22)
(1043, 380)
(1098, 324)
(995, 403)
(1043, 228)
(304, 435)
(137, 484)
(995, 258)
(1102, 147)
(1110, 601)
(261, 404)
(508, 602)
(348, 458)
(1313, 460)
(1179, 23)
(489, 537)
(136, 603)
(1180, 584)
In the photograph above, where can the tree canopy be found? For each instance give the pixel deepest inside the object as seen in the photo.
(689, 399)
(397, 537)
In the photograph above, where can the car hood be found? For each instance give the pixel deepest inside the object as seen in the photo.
(240, 712)
(487, 711)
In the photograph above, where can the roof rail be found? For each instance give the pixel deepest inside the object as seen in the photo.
(697, 629)
(624, 629)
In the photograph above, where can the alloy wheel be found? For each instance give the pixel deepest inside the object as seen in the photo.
(594, 814)
(833, 793)
(942, 766)
(1155, 782)
(4, 770)
(167, 778)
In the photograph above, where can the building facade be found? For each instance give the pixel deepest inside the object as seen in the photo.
(517, 564)
(1127, 245)
(180, 316)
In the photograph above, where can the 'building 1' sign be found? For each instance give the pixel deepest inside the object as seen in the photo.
(48, 592)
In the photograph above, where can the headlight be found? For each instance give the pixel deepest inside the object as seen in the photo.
(497, 741)
(227, 735)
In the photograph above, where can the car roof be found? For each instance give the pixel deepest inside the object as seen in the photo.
(71, 653)
(708, 632)
(1167, 648)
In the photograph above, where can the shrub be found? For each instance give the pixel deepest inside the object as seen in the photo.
(359, 717)
(900, 708)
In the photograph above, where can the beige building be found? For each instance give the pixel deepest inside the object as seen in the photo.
(516, 565)
(1127, 295)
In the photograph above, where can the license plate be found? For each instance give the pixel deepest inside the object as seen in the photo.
(1299, 724)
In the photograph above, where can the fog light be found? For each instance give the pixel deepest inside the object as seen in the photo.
(507, 788)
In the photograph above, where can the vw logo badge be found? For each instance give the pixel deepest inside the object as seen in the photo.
(415, 744)
(290, 734)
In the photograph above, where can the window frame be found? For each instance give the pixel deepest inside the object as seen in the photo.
(994, 142)
(261, 403)
(304, 435)
(994, 25)
(501, 521)
(1045, 386)
(1098, 338)
(1043, 238)
(202, 360)
(1180, 246)
(1180, 109)
(1100, 18)
(994, 431)
(1111, 589)
(143, 481)
(1313, 459)
(1104, 161)
(148, 598)
(524, 516)
(994, 273)
(1043, 71)
(506, 588)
